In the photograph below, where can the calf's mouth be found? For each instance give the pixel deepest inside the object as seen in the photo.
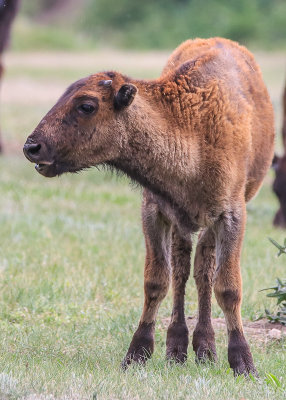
(46, 168)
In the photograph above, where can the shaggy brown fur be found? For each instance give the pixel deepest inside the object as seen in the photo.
(8, 10)
(279, 184)
(200, 140)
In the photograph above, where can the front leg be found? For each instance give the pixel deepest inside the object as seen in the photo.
(178, 334)
(228, 286)
(157, 233)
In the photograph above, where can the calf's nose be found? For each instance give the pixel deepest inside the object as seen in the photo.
(32, 151)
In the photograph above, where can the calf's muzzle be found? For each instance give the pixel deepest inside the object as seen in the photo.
(32, 151)
(40, 154)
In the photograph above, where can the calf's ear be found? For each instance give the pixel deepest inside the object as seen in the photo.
(124, 96)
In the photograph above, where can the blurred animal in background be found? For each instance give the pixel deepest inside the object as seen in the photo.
(279, 165)
(8, 10)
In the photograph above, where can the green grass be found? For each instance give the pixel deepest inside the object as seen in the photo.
(29, 35)
(71, 266)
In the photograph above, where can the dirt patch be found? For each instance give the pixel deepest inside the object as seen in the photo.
(261, 330)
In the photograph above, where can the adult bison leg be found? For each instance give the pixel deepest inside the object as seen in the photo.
(1, 73)
(228, 286)
(204, 266)
(157, 231)
(178, 334)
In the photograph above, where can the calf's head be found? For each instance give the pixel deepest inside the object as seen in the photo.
(86, 127)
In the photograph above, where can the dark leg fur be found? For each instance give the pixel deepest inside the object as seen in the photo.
(203, 336)
(8, 10)
(178, 334)
(228, 288)
(1, 73)
(142, 345)
(239, 355)
(157, 233)
(279, 219)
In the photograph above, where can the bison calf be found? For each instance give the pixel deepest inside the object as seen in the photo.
(199, 140)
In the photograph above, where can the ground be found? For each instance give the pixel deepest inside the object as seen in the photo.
(71, 262)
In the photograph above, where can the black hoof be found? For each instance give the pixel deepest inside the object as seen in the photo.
(177, 342)
(141, 346)
(204, 345)
(239, 355)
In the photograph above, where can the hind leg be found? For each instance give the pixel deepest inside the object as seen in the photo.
(178, 334)
(204, 266)
(157, 233)
(228, 286)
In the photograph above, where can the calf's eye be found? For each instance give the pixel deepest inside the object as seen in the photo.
(86, 108)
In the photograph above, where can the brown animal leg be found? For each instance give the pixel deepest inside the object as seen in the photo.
(203, 336)
(1, 73)
(156, 281)
(228, 287)
(279, 219)
(178, 334)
